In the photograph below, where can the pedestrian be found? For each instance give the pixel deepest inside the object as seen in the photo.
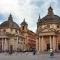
(34, 52)
(51, 52)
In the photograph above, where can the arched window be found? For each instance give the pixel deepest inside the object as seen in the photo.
(22, 27)
(16, 31)
(59, 46)
(57, 26)
(4, 30)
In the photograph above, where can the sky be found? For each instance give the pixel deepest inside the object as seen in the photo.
(28, 9)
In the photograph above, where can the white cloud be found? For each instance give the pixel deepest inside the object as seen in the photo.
(28, 9)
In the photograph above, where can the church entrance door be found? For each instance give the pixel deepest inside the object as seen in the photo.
(48, 47)
(0, 46)
(59, 46)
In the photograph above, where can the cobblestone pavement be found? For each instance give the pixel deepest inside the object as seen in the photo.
(28, 56)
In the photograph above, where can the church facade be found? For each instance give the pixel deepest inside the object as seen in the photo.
(48, 31)
(10, 37)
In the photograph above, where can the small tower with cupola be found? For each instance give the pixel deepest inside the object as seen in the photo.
(24, 26)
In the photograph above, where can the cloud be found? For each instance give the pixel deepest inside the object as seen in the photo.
(1, 16)
(28, 9)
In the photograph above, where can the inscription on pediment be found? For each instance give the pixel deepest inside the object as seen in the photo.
(47, 30)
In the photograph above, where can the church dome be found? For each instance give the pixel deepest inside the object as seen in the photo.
(9, 24)
(50, 17)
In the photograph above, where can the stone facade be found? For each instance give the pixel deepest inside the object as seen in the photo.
(10, 35)
(48, 31)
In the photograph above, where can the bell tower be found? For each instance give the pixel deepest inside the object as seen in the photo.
(24, 25)
(38, 23)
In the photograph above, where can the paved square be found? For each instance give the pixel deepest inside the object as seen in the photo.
(29, 57)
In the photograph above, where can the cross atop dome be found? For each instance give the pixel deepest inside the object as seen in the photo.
(50, 10)
(39, 18)
(10, 18)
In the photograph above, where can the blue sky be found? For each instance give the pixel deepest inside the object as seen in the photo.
(28, 9)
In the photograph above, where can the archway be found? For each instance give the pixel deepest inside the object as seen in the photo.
(48, 47)
(58, 46)
(11, 49)
(0, 45)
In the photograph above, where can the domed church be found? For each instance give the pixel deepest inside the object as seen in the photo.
(10, 36)
(48, 31)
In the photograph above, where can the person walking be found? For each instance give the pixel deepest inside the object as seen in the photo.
(51, 52)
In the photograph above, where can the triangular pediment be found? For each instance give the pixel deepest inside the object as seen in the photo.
(48, 30)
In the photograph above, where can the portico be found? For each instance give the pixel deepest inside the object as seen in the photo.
(4, 43)
(47, 41)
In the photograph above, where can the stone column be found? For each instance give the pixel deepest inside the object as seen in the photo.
(5, 45)
(8, 44)
(42, 44)
(2, 44)
(51, 42)
(39, 44)
(54, 43)
(17, 43)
